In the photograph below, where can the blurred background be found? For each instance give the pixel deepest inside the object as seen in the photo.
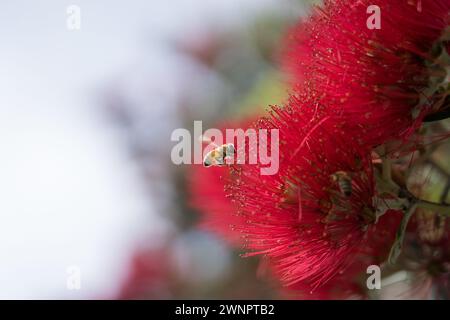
(91, 206)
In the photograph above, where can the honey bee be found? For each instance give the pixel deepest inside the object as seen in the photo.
(217, 156)
(344, 181)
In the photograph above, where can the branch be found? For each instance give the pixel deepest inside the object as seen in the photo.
(443, 209)
(437, 116)
(396, 248)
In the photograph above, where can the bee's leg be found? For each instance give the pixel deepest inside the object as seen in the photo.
(220, 161)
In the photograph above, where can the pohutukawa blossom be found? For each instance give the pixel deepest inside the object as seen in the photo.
(151, 275)
(318, 214)
(383, 81)
(350, 282)
(320, 220)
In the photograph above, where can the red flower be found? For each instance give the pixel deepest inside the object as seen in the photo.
(301, 219)
(317, 220)
(383, 82)
(350, 283)
(150, 276)
(218, 213)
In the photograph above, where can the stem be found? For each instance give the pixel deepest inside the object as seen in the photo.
(440, 208)
(443, 209)
(437, 116)
(443, 198)
(396, 248)
(387, 176)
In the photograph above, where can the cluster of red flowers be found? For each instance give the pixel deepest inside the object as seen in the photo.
(382, 81)
(353, 90)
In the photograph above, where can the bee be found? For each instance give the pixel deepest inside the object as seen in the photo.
(217, 156)
(344, 181)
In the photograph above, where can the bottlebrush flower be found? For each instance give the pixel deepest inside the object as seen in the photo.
(383, 81)
(301, 219)
(350, 283)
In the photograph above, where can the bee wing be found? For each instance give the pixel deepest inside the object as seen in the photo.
(230, 149)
